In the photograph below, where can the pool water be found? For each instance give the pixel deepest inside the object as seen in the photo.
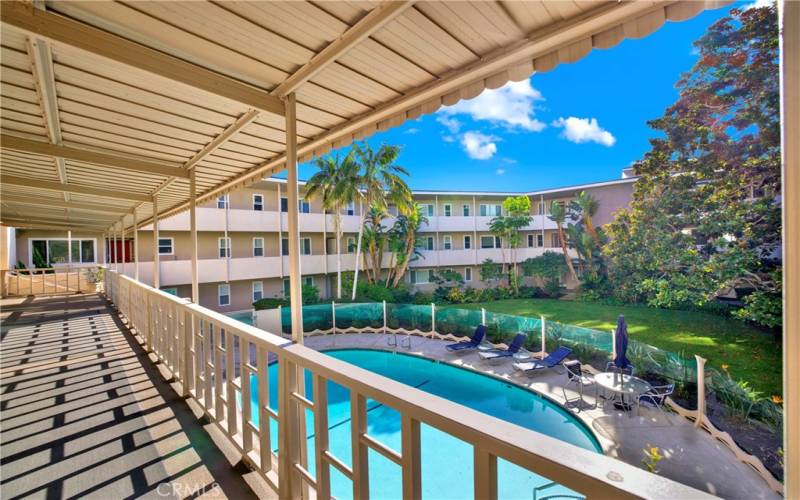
(245, 317)
(446, 461)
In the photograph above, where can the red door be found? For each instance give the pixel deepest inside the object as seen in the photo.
(116, 255)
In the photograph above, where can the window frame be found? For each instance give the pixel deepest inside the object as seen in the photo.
(284, 205)
(540, 240)
(483, 210)
(171, 245)
(220, 295)
(259, 203)
(447, 210)
(255, 238)
(350, 208)
(301, 203)
(220, 248)
(494, 241)
(467, 238)
(430, 245)
(429, 209)
(67, 241)
(467, 274)
(412, 276)
(531, 240)
(226, 201)
(253, 290)
(447, 242)
(466, 210)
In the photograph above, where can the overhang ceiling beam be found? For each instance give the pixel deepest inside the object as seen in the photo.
(231, 130)
(61, 29)
(70, 188)
(89, 207)
(90, 156)
(30, 225)
(367, 25)
(19, 221)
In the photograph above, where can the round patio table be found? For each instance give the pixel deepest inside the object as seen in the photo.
(623, 386)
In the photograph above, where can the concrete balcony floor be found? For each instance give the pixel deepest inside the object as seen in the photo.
(86, 413)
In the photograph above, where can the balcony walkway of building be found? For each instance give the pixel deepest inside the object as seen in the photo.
(85, 413)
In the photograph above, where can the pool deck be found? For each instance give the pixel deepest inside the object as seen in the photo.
(692, 456)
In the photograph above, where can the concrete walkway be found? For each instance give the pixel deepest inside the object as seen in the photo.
(85, 413)
(693, 457)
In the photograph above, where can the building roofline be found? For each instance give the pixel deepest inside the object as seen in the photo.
(627, 180)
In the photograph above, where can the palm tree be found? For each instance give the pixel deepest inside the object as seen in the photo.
(499, 228)
(558, 214)
(404, 243)
(336, 184)
(588, 206)
(380, 184)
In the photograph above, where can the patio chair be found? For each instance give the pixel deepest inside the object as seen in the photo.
(628, 370)
(576, 378)
(657, 395)
(500, 354)
(470, 345)
(552, 360)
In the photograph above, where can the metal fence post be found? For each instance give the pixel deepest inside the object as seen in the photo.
(483, 316)
(701, 390)
(433, 319)
(333, 317)
(384, 317)
(544, 336)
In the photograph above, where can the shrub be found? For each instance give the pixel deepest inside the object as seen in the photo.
(310, 294)
(422, 298)
(552, 288)
(270, 303)
(529, 292)
(762, 308)
(374, 292)
(594, 287)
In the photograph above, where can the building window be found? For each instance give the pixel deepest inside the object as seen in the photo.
(447, 242)
(467, 274)
(258, 290)
(541, 207)
(554, 241)
(448, 210)
(56, 251)
(490, 242)
(258, 202)
(305, 246)
(427, 209)
(530, 241)
(467, 242)
(350, 209)
(427, 243)
(540, 240)
(224, 294)
(465, 210)
(171, 291)
(351, 245)
(303, 206)
(491, 210)
(421, 276)
(224, 245)
(306, 281)
(165, 246)
(223, 201)
(284, 204)
(258, 247)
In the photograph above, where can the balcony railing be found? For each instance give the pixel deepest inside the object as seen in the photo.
(201, 349)
(48, 281)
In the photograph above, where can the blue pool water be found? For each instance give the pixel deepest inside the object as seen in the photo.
(446, 461)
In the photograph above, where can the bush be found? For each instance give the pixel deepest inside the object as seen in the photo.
(529, 292)
(594, 287)
(762, 308)
(552, 288)
(310, 294)
(423, 298)
(270, 303)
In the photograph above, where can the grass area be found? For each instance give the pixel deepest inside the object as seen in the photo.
(752, 355)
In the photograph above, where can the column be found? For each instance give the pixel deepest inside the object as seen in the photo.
(193, 234)
(295, 286)
(135, 247)
(156, 260)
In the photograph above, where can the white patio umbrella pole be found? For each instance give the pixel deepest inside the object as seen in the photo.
(193, 235)
(701, 390)
(124, 250)
(156, 259)
(333, 318)
(69, 251)
(544, 336)
(613, 344)
(483, 316)
(384, 317)
(433, 319)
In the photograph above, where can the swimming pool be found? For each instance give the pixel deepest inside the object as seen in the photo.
(447, 462)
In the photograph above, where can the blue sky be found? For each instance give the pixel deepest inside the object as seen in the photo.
(580, 122)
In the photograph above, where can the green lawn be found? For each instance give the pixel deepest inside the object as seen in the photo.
(751, 354)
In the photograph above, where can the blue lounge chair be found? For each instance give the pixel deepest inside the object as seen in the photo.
(551, 361)
(498, 354)
(471, 344)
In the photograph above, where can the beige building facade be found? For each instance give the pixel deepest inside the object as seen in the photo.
(243, 247)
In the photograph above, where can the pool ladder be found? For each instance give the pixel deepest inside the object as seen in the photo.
(538, 490)
(392, 341)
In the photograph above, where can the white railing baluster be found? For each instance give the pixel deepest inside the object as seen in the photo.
(412, 472)
(323, 478)
(485, 472)
(358, 427)
(244, 381)
(219, 402)
(288, 431)
(208, 355)
(265, 440)
(188, 353)
(230, 389)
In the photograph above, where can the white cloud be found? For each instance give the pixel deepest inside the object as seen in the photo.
(500, 171)
(450, 124)
(479, 146)
(510, 161)
(758, 4)
(511, 105)
(412, 131)
(581, 130)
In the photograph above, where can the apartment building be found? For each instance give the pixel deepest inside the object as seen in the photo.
(243, 245)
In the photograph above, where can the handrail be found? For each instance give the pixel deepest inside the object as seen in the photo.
(197, 346)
